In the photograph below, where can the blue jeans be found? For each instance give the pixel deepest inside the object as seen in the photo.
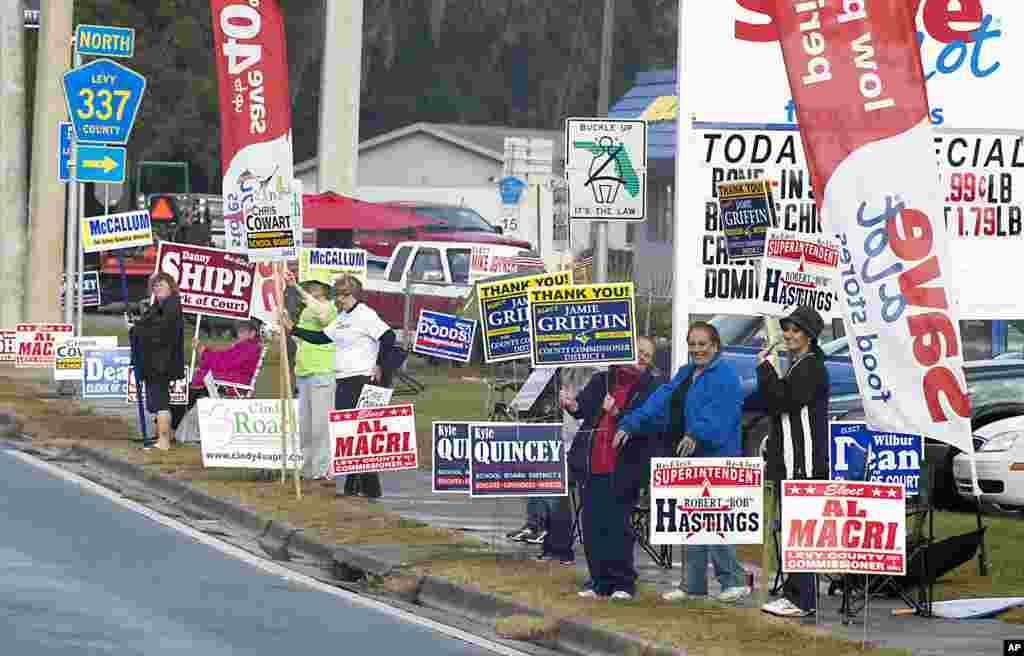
(727, 568)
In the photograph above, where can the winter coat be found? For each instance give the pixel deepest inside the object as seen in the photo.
(158, 342)
(235, 365)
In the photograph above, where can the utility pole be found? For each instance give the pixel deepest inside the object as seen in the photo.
(338, 147)
(13, 164)
(46, 214)
(603, 103)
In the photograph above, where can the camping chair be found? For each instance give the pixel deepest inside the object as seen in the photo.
(221, 389)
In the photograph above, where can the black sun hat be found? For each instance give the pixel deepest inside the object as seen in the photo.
(806, 319)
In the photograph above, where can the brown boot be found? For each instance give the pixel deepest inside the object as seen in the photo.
(163, 431)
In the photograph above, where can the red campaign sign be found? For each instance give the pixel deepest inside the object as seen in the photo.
(808, 251)
(9, 346)
(37, 343)
(373, 439)
(843, 528)
(213, 282)
(688, 476)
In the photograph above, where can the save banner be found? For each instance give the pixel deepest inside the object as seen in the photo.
(504, 320)
(863, 116)
(859, 454)
(8, 346)
(707, 500)
(69, 363)
(212, 282)
(37, 343)
(324, 264)
(373, 440)
(517, 460)
(444, 336)
(106, 373)
(798, 270)
(116, 231)
(450, 469)
(582, 326)
(843, 528)
(246, 434)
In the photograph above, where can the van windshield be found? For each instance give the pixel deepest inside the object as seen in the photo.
(456, 218)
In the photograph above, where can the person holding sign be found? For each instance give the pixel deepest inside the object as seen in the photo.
(363, 344)
(159, 353)
(236, 364)
(700, 411)
(797, 447)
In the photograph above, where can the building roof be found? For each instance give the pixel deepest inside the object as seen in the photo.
(653, 98)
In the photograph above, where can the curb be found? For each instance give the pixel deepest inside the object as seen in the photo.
(469, 602)
(10, 425)
(584, 639)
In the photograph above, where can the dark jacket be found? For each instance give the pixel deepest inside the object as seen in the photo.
(633, 461)
(798, 403)
(158, 342)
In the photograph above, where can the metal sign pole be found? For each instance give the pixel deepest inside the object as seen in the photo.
(71, 225)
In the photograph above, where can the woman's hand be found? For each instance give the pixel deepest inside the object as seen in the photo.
(620, 439)
(686, 446)
(375, 375)
(609, 405)
(202, 348)
(568, 401)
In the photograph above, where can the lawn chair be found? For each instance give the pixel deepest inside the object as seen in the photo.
(222, 389)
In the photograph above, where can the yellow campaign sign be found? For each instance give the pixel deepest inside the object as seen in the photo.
(116, 231)
(325, 264)
(583, 325)
(662, 108)
(517, 286)
(583, 293)
(742, 189)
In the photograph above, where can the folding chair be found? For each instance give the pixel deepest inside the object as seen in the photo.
(222, 389)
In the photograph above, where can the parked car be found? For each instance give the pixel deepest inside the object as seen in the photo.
(1000, 462)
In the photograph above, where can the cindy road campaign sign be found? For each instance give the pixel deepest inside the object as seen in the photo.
(69, 363)
(444, 336)
(517, 460)
(450, 471)
(584, 325)
(116, 231)
(843, 527)
(213, 282)
(246, 434)
(504, 320)
(887, 457)
(37, 343)
(373, 439)
(707, 500)
(106, 373)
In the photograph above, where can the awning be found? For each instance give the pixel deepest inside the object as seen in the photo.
(331, 211)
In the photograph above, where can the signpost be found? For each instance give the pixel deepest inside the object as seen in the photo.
(104, 41)
(103, 99)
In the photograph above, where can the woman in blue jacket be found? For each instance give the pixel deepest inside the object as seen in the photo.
(700, 413)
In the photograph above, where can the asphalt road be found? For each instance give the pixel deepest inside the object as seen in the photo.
(82, 575)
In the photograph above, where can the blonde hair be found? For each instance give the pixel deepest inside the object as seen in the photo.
(353, 282)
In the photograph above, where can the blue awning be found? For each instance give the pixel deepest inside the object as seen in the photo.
(654, 99)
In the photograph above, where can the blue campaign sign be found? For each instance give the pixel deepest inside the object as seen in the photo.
(103, 99)
(451, 457)
(887, 457)
(584, 325)
(65, 135)
(747, 211)
(104, 41)
(100, 164)
(444, 336)
(105, 374)
(517, 460)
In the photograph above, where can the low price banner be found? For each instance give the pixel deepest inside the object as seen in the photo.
(179, 388)
(517, 460)
(444, 336)
(90, 289)
(798, 270)
(450, 471)
(8, 346)
(246, 434)
(373, 440)
(747, 211)
(116, 231)
(707, 500)
(324, 264)
(859, 454)
(843, 528)
(70, 361)
(582, 326)
(504, 320)
(37, 343)
(106, 373)
(212, 282)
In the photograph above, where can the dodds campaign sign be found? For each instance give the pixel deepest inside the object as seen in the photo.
(504, 319)
(584, 325)
(517, 460)
(444, 336)
(213, 282)
(106, 373)
(373, 439)
(451, 457)
(707, 500)
(843, 528)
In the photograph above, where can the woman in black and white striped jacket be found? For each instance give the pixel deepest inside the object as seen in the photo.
(797, 447)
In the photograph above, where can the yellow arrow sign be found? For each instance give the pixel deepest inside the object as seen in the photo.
(108, 164)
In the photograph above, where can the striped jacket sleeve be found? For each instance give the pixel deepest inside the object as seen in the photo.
(791, 399)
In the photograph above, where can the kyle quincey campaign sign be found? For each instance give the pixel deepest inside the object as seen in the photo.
(451, 457)
(517, 460)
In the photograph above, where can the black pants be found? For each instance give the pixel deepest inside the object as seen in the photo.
(608, 536)
(558, 541)
(799, 589)
(346, 395)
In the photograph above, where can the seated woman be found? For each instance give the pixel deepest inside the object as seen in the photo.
(236, 364)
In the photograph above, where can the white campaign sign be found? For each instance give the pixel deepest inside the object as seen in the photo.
(245, 433)
(70, 362)
(798, 270)
(606, 168)
(373, 396)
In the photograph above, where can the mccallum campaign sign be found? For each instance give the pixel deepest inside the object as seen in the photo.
(450, 471)
(707, 500)
(373, 440)
(859, 454)
(106, 373)
(211, 281)
(444, 336)
(582, 326)
(843, 528)
(245, 434)
(324, 264)
(37, 343)
(116, 231)
(504, 320)
(517, 460)
(856, 76)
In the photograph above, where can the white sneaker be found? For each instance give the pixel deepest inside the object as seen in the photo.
(785, 608)
(730, 595)
(622, 595)
(679, 595)
(587, 594)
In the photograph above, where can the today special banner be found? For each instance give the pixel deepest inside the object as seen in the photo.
(212, 282)
(379, 439)
(857, 80)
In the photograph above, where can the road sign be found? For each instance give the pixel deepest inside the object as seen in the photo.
(99, 163)
(606, 169)
(103, 100)
(64, 152)
(103, 41)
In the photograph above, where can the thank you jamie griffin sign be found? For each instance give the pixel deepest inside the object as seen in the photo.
(584, 325)
(606, 168)
(504, 319)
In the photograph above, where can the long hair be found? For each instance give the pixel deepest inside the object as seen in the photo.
(163, 276)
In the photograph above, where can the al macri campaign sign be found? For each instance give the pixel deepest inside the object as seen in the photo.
(37, 343)
(450, 471)
(373, 440)
(517, 460)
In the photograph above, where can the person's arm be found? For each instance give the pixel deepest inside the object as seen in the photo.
(321, 308)
(387, 342)
(653, 415)
(791, 393)
(161, 325)
(714, 423)
(313, 336)
(588, 401)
